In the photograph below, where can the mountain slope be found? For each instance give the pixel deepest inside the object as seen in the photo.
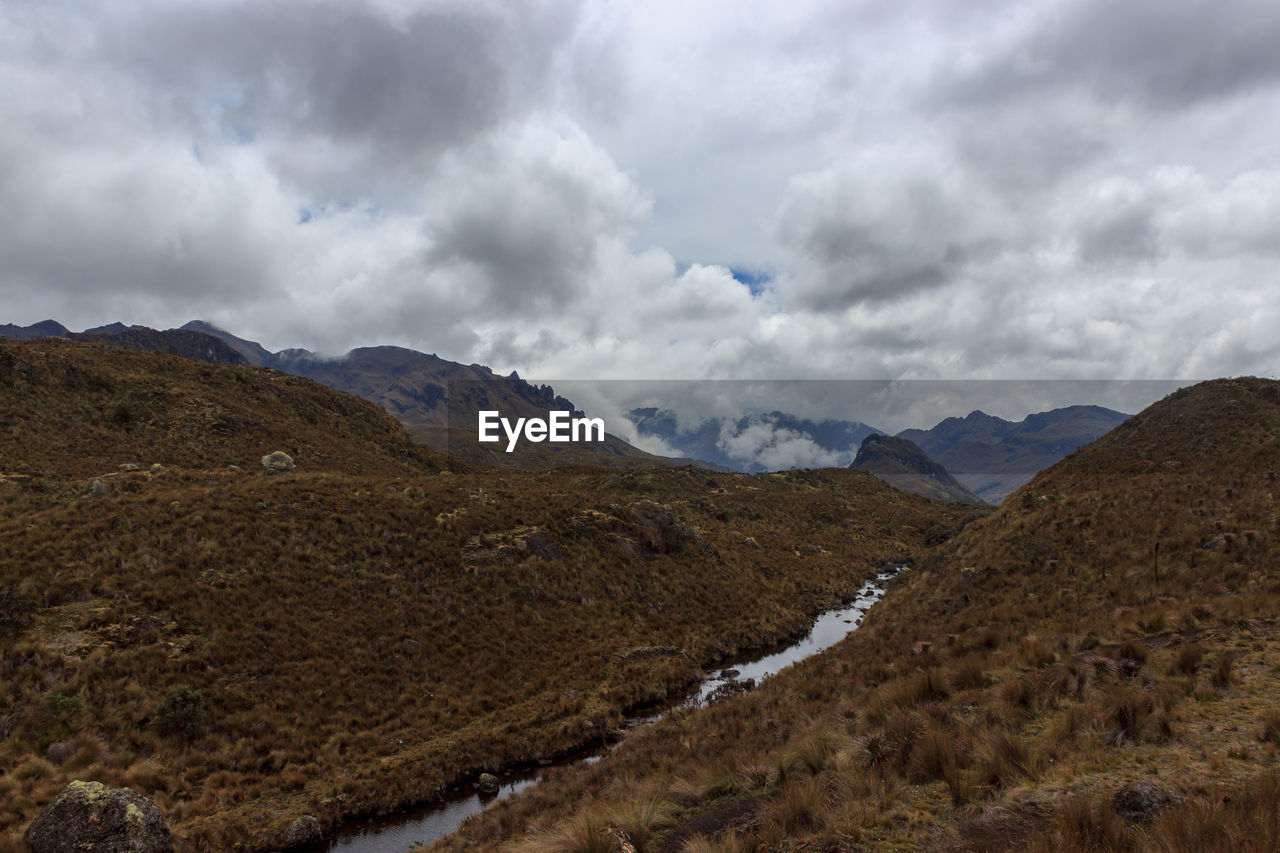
(437, 400)
(78, 409)
(903, 465)
(367, 630)
(1099, 650)
(992, 456)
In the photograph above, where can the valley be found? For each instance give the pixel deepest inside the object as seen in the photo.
(378, 624)
(268, 656)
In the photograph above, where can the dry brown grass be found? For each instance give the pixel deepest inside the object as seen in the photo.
(1036, 688)
(365, 631)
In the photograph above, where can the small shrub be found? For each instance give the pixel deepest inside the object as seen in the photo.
(1133, 650)
(1037, 651)
(935, 757)
(1085, 825)
(1004, 759)
(1223, 676)
(800, 805)
(15, 613)
(1128, 711)
(877, 750)
(182, 713)
(1247, 820)
(1270, 727)
(968, 673)
(1188, 658)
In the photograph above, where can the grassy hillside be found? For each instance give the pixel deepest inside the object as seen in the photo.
(1113, 623)
(77, 410)
(364, 631)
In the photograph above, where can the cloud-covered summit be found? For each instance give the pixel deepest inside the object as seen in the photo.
(917, 189)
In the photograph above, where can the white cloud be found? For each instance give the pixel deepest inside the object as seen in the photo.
(984, 190)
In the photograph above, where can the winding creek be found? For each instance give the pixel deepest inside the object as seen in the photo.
(396, 832)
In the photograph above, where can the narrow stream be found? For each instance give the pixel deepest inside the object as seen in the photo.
(395, 833)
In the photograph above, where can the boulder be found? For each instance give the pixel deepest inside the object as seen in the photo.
(1138, 802)
(59, 752)
(303, 830)
(277, 463)
(488, 783)
(92, 816)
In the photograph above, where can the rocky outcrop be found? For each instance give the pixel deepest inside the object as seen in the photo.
(277, 463)
(1138, 802)
(92, 816)
(303, 830)
(903, 465)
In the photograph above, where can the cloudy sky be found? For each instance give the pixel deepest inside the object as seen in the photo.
(610, 189)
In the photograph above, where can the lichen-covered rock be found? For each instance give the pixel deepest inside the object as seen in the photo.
(92, 816)
(277, 463)
(1138, 802)
(488, 783)
(303, 830)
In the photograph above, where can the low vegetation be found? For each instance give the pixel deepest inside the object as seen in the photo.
(1092, 667)
(374, 626)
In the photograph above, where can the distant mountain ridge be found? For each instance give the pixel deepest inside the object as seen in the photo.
(988, 455)
(188, 343)
(992, 456)
(434, 398)
(903, 465)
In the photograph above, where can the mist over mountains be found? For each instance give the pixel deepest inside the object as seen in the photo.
(437, 400)
(989, 455)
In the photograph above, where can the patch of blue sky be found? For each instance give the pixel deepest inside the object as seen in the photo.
(321, 209)
(755, 280)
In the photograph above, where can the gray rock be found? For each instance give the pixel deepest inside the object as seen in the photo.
(59, 752)
(98, 488)
(303, 830)
(91, 816)
(1138, 802)
(488, 783)
(277, 463)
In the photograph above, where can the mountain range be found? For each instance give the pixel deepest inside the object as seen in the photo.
(437, 401)
(988, 455)
(992, 456)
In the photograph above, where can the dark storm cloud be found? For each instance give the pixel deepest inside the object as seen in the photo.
(1019, 152)
(881, 229)
(1127, 234)
(1156, 54)
(399, 88)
